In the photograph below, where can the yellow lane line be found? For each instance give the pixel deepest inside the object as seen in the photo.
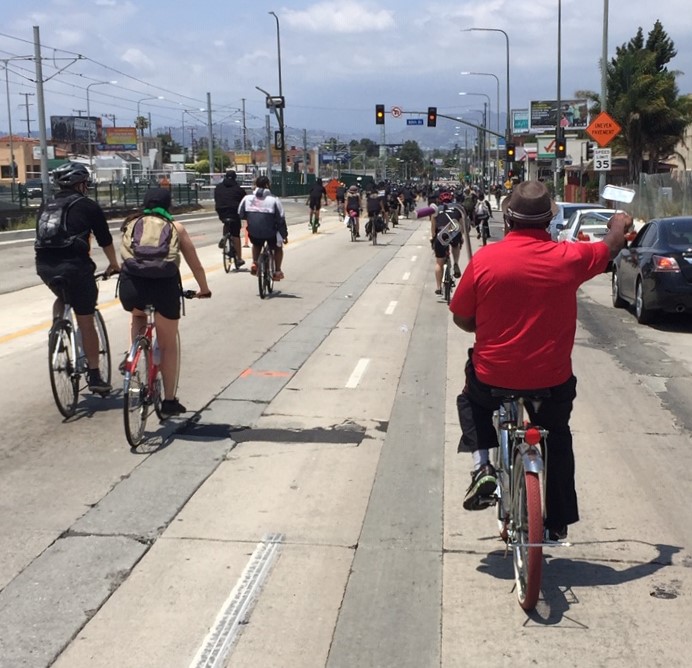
(45, 325)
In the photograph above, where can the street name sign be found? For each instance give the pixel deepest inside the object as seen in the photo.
(414, 121)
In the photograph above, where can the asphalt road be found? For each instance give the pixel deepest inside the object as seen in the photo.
(310, 501)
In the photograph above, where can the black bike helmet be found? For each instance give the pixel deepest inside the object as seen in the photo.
(70, 174)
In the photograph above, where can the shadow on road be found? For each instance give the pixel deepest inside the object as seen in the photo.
(561, 575)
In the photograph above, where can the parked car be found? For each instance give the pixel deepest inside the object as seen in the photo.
(566, 209)
(654, 273)
(586, 225)
(32, 188)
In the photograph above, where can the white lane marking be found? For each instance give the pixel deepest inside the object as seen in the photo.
(357, 373)
(390, 309)
(236, 611)
(414, 258)
(406, 276)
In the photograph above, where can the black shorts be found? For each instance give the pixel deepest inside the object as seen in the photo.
(79, 285)
(231, 226)
(162, 293)
(316, 203)
(260, 242)
(441, 251)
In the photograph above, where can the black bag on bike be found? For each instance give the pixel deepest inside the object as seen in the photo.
(379, 224)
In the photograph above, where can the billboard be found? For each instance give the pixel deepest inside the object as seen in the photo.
(119, 139)
(75, 129)
(520, 121)
(574, 115)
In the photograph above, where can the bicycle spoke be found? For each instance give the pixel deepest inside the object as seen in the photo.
(137, 402)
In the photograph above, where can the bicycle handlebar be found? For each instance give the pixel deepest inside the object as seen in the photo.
(192, 294)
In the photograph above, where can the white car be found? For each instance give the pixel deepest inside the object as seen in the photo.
(586, 225)
(565, 211)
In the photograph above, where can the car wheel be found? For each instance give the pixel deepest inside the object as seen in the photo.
(618, 301)
(644, 315)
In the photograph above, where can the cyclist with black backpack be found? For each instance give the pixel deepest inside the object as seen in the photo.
(64, 226)
(151, 247)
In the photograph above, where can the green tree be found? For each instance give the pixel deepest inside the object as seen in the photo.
(643, 98)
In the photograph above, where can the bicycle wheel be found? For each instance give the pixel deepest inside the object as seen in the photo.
(261, 269)
(137, 404)
(353, 229)
(314, 223)
(104, 347)
(448, 283)
(269, 277)
(228, 254)
(484, 234)
(64, 381)
(373, 232)
(526, 518)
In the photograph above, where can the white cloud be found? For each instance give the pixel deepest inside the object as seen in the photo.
(340, 17)
(137, 58)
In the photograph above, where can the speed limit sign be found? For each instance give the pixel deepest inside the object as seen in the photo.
(396, 112)
(601, 159)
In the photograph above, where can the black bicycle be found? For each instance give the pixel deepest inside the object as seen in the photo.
(265, 270)
(67, 363)
(228, 253)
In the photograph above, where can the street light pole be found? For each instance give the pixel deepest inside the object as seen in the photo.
(508, 133)
(281, 110)
(141, 143)
(91, 143)
(483, 139)
(497, 108)
(604, 85)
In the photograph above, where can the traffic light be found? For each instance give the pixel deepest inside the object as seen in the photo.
(589, 150)
(560, 146)
(432, 117)
(379, 114)
(511, 152)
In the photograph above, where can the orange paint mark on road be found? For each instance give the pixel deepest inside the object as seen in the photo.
(264, 374)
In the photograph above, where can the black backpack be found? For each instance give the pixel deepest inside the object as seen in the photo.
(51, 224)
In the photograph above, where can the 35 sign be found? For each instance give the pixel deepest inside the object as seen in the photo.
(602, 160)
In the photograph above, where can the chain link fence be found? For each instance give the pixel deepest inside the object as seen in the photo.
(662, 195)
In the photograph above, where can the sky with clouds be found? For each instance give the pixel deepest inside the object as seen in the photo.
(338, 57)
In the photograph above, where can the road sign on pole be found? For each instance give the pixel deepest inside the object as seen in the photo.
(396, 112)
(414, 121)
(603, 128)
(601, 159)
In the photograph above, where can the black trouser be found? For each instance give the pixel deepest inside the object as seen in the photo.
(475, 406)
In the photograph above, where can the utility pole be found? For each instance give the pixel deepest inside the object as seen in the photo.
(305, 156)
(245, 146)
(111, 117)
(210, 135)
(27, 105)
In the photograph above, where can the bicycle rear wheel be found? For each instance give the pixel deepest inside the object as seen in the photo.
(104, 347)
(228, 253)
(352, 226)
(527, 534)
(64, 381)
(447, 281)
(484, 233)
(261, 270)
(137, 402)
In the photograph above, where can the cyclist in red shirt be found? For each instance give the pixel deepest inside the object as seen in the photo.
(519, 296)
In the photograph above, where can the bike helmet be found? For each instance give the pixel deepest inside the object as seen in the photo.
(70, 174)
(445, 197)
